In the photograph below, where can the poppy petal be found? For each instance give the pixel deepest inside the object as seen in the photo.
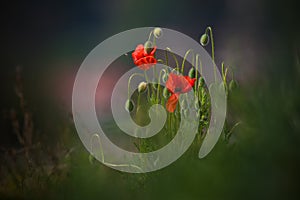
(170, 82)
(172, 103)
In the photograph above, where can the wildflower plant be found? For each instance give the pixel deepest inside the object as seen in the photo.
(174, 94)
(179, 79)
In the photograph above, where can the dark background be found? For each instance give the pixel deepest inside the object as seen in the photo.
(258, 39)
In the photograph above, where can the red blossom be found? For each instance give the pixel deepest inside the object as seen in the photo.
(142, 59)
(177, 84)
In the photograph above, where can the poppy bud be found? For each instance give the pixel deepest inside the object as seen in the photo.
(166, 93)
(201, 82)
(192, 72)
(129, 105)
(148, 46)
(142, 87)
(233, 85)
(204, 40)
(157, 32)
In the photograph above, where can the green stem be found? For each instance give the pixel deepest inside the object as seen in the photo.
(167, 58)
(129, 81)
(158, 86)
(147, 80)
(184, 59)
(174, 56)
(149, 38)
(212, 50)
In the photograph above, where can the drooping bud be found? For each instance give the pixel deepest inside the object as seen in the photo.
(204, 40)
(129, 105)
(142, 87)
(148, 46)
(157, 32)
(192, 72)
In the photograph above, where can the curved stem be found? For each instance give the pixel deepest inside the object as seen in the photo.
(100, 144)
(174, 56)
(129, 81)
(184, 59)
(149, 38)
(212, 50)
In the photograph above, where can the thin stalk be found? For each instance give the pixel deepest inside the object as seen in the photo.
(209, 29)
(174, 56)
(158, 86)
(129, 81)
(147, 80)
(184, 59)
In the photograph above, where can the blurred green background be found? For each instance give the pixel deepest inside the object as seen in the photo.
(42, 46)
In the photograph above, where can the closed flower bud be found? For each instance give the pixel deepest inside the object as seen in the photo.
(148, 46)
(157, 32)
(129, 105)
(204, 40)
(166, 93)
(233, 85)
(142, 87)
(201, 82)
(192, 72)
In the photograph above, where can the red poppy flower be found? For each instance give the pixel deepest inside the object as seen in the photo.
(177, 84)
(142, 59)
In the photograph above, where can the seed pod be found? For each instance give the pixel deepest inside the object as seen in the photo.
(204, 40)
(192, 72)
(129, 105)
(148, 46)
(157, 32)
(142, 87)
(233, 85)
